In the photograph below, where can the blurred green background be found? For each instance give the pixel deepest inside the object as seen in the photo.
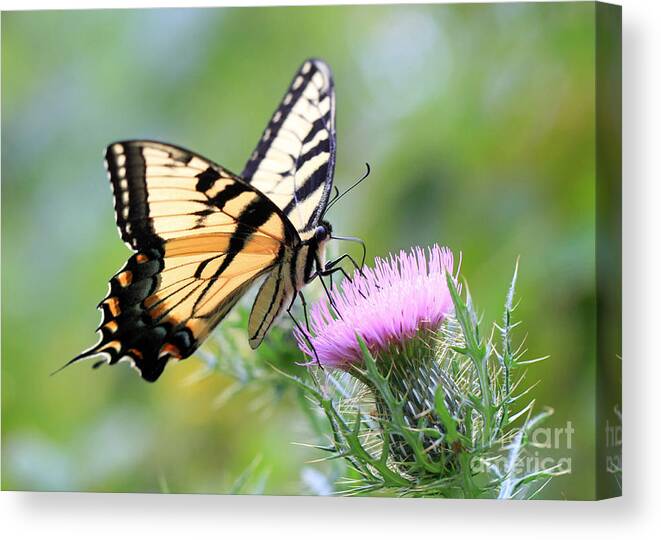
(478, 122)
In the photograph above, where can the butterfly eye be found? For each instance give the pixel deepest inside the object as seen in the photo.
(321, 233)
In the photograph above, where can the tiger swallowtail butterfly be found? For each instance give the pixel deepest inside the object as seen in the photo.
(201, 235)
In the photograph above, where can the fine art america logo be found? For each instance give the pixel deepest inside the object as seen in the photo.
(545, 440)
(614, 443)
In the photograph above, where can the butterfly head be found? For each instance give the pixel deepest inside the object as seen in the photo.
(323, 233)
(316, 250)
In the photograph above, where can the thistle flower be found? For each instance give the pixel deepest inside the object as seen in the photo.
(396, 309)
(401, 298)
(398, 340)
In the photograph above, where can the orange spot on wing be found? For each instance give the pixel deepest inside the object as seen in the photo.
(112, 326)
(125, 278)
(170, 350)
(113, 306)
(115, 344)
(136, 353)
(141, 258)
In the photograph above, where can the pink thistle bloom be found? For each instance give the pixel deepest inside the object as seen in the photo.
(389, 304)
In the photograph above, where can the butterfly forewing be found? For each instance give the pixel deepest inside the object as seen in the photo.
(162, 192)
(294, 160)
(202, 236)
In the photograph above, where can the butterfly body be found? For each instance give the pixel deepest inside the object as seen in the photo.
(202, 235)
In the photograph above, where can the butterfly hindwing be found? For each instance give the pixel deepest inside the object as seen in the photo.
(294, 160)
(273, 296)
(157, 308)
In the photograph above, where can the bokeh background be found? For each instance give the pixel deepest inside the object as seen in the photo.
(478, 122)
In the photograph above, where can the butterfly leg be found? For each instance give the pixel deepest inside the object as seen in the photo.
(329, 274)
(334, 266)
(330, 271)
(321, 275)
(331, 266)
(305, 309)
(303, 333)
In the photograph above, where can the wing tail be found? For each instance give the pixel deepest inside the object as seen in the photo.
(126, 332)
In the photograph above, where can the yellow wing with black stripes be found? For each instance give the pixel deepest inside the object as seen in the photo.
(294, 161)
(201, 236)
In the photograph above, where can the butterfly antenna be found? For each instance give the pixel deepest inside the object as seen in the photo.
(335, 195)
(338, 197)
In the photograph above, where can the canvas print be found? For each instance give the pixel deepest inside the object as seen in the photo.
(346, 250)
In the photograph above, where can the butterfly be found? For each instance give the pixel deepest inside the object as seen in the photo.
(201, 235)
